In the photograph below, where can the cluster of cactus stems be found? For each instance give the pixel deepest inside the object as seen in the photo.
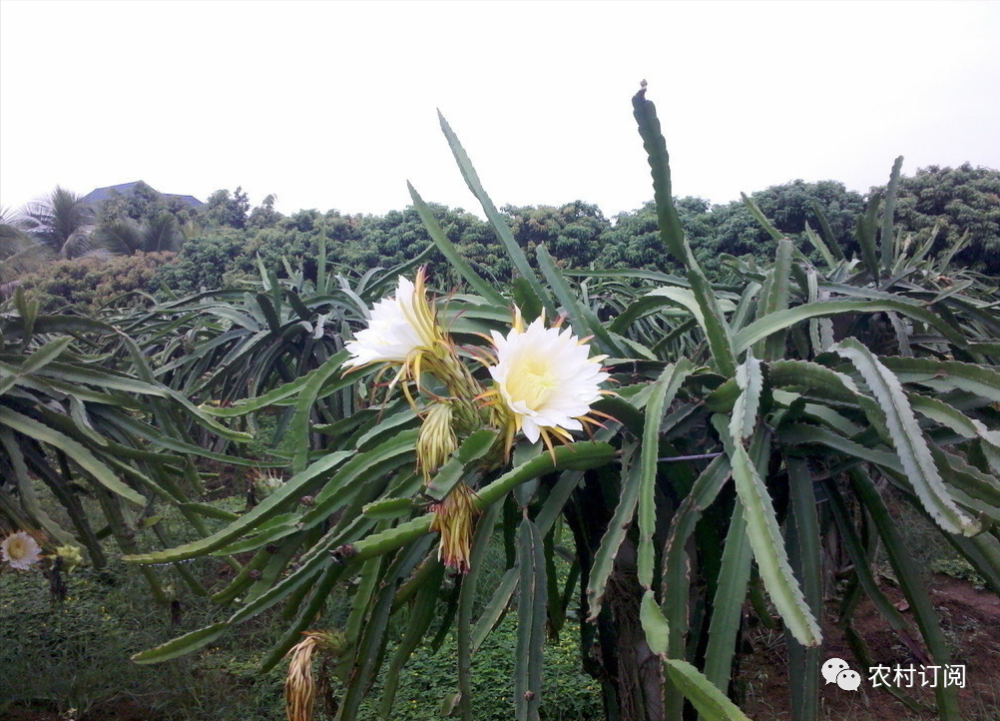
(754, 425)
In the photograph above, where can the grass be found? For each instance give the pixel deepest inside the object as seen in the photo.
(58, 655)
(74, 654)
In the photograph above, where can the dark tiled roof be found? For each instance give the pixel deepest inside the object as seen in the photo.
(101, 194)
(186, 199)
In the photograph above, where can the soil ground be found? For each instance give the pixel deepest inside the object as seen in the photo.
(971, 623)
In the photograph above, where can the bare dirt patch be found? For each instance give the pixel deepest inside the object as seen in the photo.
(969, 618)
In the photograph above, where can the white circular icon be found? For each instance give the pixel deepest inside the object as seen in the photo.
(832, 667)
(849, 679)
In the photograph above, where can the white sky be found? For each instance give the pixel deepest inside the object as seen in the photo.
(332, 104)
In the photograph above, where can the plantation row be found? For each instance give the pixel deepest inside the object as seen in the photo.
(654, 449)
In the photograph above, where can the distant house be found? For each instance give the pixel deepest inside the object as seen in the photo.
(101, 194)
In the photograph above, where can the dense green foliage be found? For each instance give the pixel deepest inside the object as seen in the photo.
(791, 207)
(142, 205)
(577, 234)
(964, 203)
(86, 285)
(220, 243)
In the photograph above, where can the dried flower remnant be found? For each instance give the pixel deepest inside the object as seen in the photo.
(300, 685)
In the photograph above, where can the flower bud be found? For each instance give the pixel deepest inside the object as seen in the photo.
(266, 485)
(436, 441)
(454, 519)
(70, 555)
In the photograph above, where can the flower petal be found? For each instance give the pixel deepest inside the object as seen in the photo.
(20, 550)
(391, 334)
(546, 378)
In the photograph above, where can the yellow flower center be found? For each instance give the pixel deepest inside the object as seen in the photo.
(17, 549)
(532, 380)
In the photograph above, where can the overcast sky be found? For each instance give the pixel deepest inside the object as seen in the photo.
(332, 104)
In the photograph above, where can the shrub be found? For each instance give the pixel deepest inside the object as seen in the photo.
(85, 285)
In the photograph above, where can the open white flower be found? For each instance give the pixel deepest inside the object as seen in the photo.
(20, 550)
(545, 379)
(394, 330)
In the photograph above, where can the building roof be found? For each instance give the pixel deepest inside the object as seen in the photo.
(99, 195)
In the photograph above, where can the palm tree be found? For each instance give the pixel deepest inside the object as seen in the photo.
(62, 222)
(128, 237)
(19, 252)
